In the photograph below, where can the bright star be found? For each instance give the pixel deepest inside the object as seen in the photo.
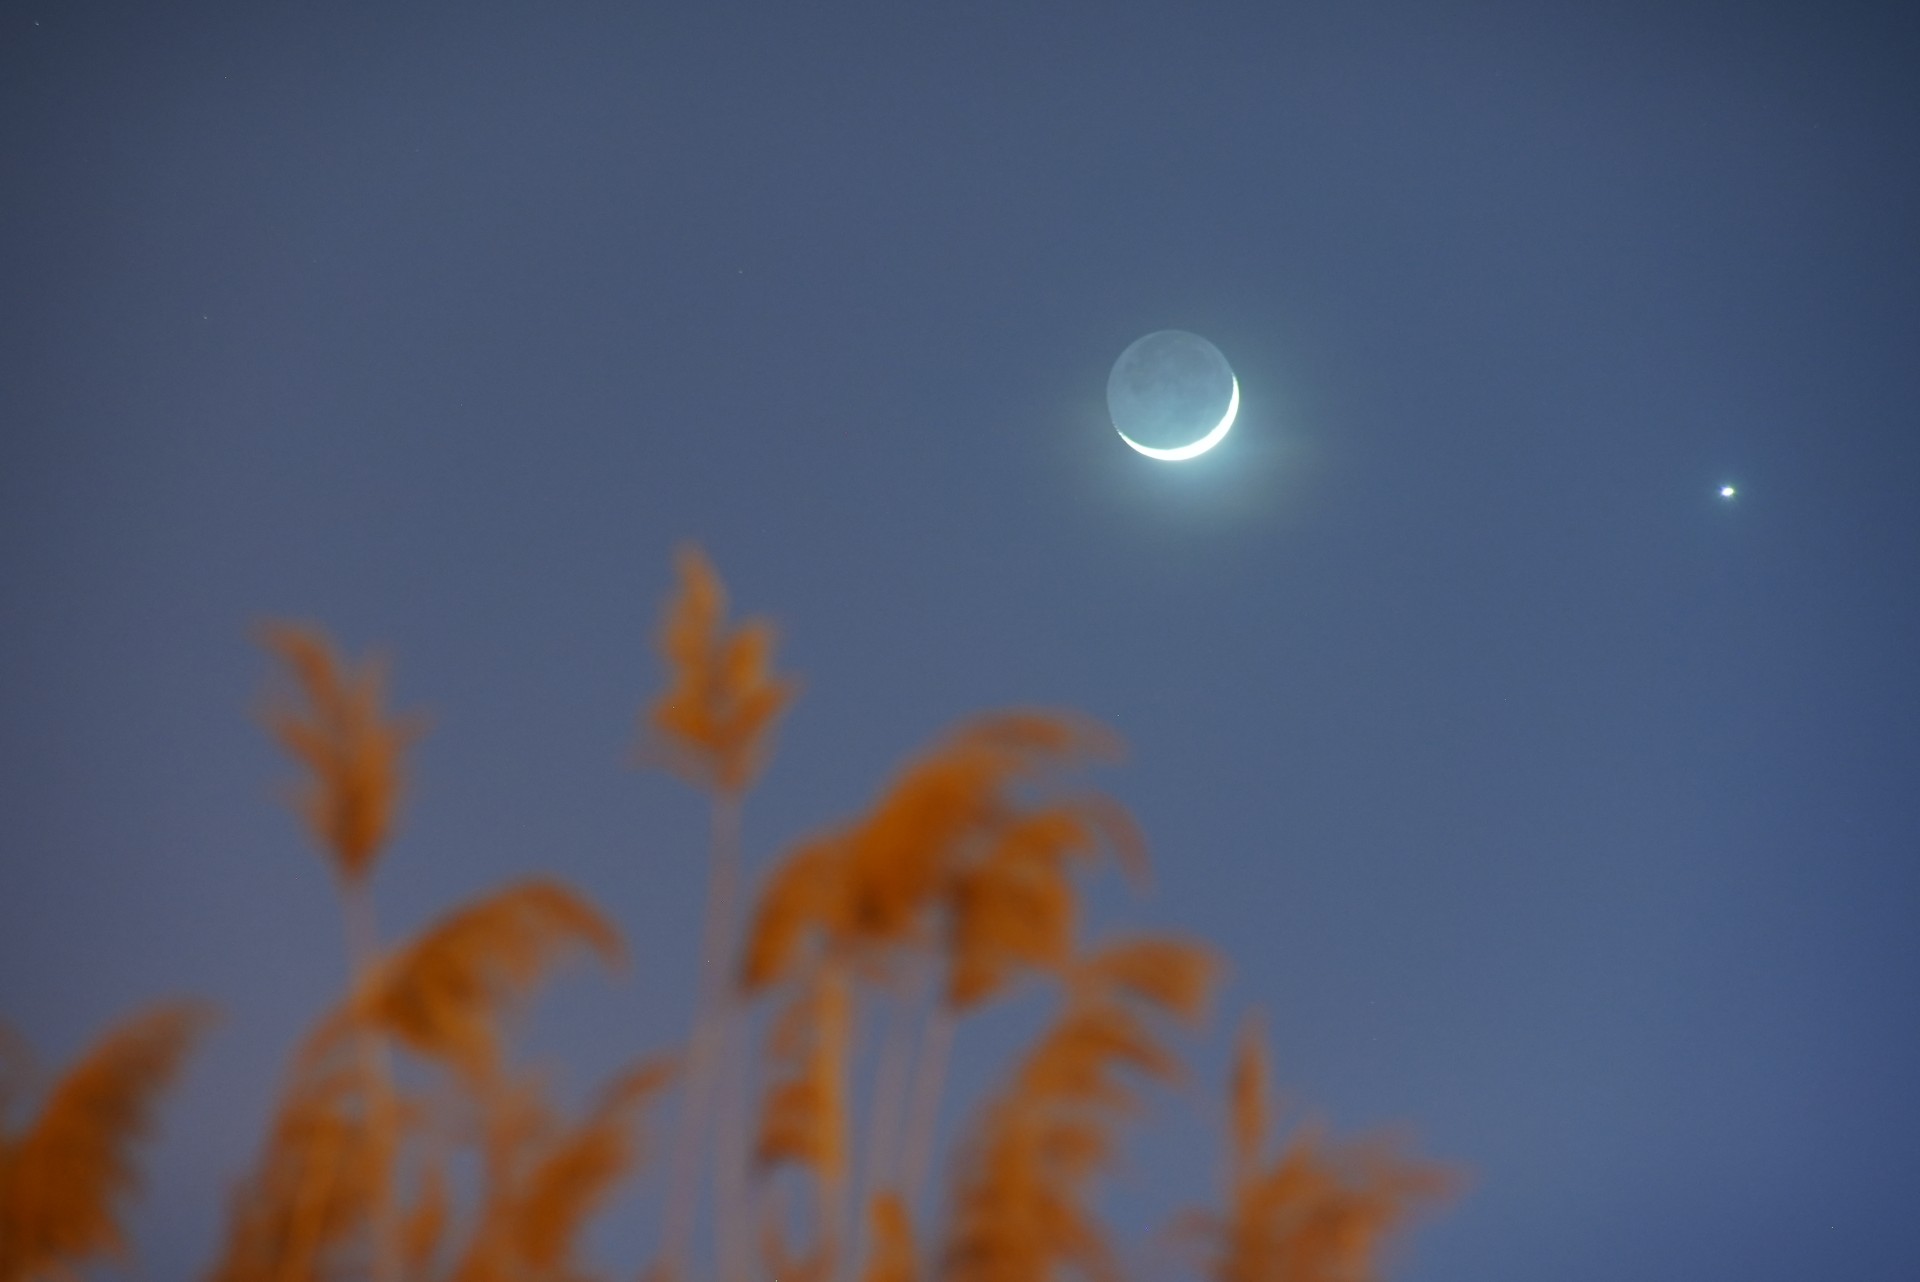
(1727, 491)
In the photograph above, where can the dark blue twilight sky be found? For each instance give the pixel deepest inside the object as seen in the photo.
(1544, 800)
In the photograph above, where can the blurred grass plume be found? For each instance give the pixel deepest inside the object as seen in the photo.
(410, 1145)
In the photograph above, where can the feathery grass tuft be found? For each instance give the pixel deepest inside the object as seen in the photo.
(713, 724)
(1176, 977)
(443, 995)
(1319, 1211)
(324, 1174)
(546, 1181)
(352, 750)
(61, 1178)
(805, 1116)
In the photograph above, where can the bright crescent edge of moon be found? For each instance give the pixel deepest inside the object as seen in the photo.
(1199, 447)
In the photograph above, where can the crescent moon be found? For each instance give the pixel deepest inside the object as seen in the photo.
(1199, 447)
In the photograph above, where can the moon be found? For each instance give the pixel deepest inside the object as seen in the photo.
(1172, 395)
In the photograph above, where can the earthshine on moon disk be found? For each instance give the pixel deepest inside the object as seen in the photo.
(1172, 395)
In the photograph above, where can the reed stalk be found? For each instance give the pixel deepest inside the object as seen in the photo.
(376, 1068)
(710, 1029)
(878, 1163)
(733, 1230)
(936, 1045)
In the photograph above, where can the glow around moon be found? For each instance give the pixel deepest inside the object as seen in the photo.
(1172, 396)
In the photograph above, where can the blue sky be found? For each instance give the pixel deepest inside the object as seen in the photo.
(1544, 800)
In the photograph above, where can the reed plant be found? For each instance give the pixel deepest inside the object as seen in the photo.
(409, 1144)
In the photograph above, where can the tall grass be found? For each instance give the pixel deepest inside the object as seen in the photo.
(409, 1145)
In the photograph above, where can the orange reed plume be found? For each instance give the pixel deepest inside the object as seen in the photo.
(352, 750)
(324, 1178)
(805, 1118)
(61, 1176)
(872, 891)
(713, 725)
(964, 866)
(1021, 1207)
(545, 1181)
(1319, 1211)
(445, 994)
(329, 1182)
